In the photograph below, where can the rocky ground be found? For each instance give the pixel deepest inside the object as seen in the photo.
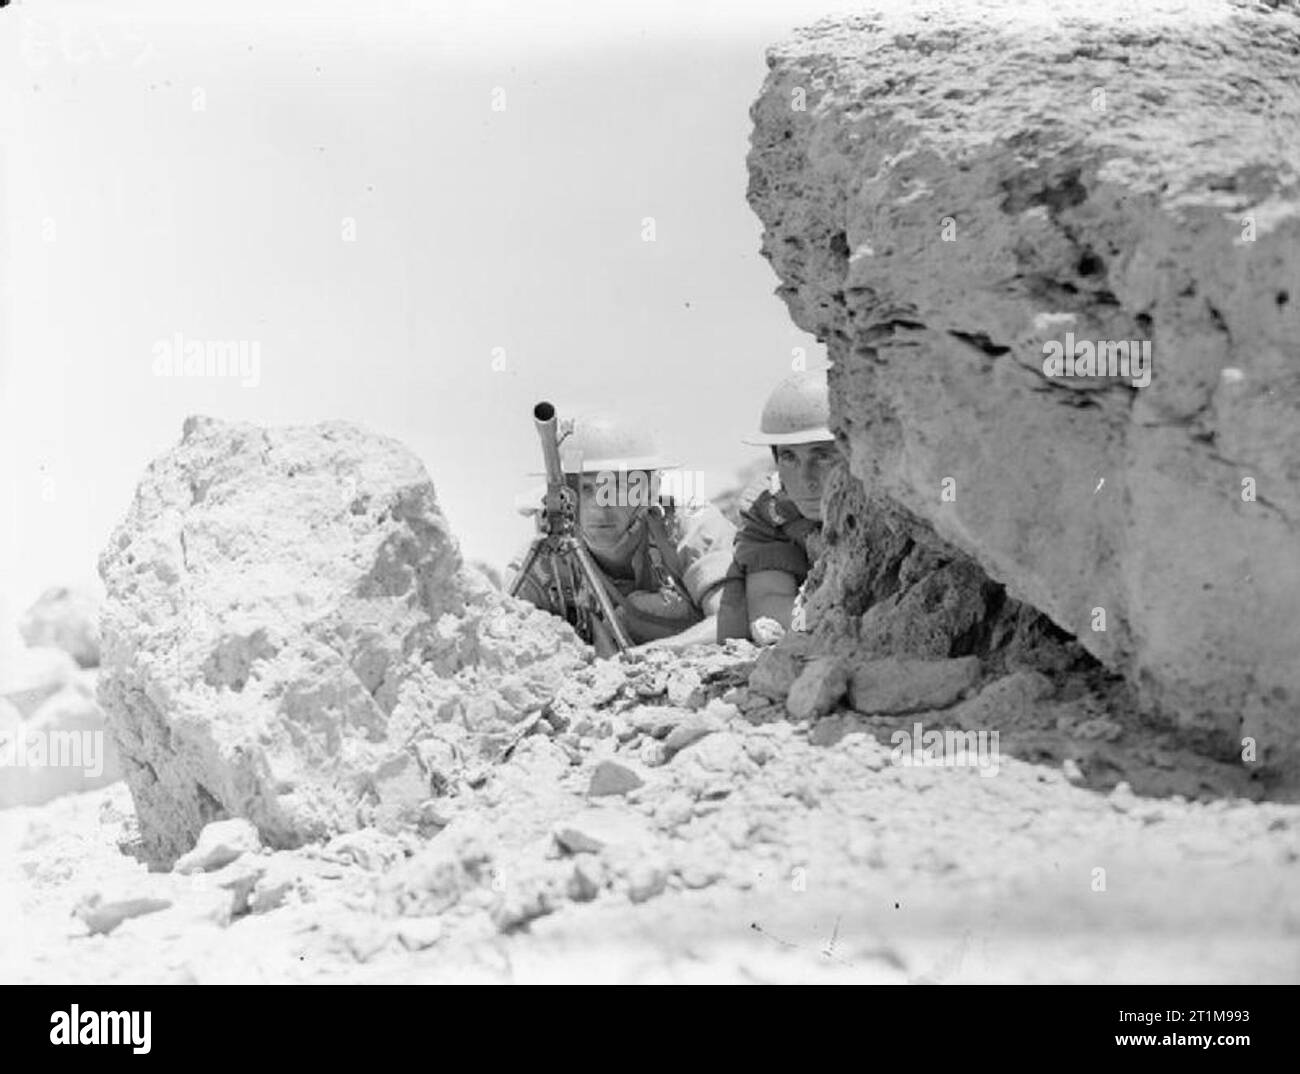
(660, 821)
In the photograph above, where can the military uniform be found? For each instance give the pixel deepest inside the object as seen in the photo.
(773, 536)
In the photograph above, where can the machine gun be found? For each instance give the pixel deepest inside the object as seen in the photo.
(575, 585)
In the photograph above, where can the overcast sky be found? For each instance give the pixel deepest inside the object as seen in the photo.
(183, 167)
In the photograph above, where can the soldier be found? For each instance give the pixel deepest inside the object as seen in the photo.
(663, 563)
(780, 515)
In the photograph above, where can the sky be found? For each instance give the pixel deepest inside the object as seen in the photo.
(427, 217)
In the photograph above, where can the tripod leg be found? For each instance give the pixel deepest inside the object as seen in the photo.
(531, 558)
(592, 579)
(559, 574)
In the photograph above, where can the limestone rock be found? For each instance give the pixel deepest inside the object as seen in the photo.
(684, 689)
(66, 619)
(818, 688)
(612, 777)
(900, 686)
(1006, 702)
(970, 181)
(692, 729)
(287, 617)
(657, 720)
(102, 916)
(219, 844)
(779, 665)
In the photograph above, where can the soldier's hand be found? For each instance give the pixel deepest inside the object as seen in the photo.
(766, 631)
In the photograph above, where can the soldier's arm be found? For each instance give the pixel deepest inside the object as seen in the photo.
(769, 594)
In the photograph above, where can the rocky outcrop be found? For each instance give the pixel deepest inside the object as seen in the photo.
(946, 190)
(290, 637)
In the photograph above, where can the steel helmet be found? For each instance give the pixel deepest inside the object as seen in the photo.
(797, 412)
(601, 442)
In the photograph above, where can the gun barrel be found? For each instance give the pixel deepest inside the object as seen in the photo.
(545, 420)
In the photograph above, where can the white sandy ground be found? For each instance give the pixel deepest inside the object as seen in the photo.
(909, 875)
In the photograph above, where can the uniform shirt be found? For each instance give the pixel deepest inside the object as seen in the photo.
(773, 536)
(701, 539)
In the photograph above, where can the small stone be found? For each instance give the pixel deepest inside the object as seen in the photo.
(220, 843)
(595, 829)
(684, 688)
(691, 730)
(588, 877)
(646, 880)
(103, 917)
(610, 777)
(607, 679)
(828, 731)
(899, 686)
(818, 689)
(657, 720)
(653, 686)
(775, 672)
(722, 711)
(1070, 767)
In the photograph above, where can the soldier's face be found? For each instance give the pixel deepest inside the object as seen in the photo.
(606, 511)
(803, 468)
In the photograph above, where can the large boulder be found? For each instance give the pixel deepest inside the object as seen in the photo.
(67, 619)
(290, 637)
(946, 189)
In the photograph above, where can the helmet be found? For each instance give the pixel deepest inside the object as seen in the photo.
(797, 412)
(601, 442)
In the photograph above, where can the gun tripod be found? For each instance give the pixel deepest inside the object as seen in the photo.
(574, 584)
(575, 581)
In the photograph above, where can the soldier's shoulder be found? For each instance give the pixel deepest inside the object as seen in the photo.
(759, 494)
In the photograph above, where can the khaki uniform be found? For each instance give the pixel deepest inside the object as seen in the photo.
(668, 580)
(773, 536)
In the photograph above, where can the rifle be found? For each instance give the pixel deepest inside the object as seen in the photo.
(575, 584)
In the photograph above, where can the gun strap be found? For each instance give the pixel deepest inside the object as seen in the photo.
(661, 539)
